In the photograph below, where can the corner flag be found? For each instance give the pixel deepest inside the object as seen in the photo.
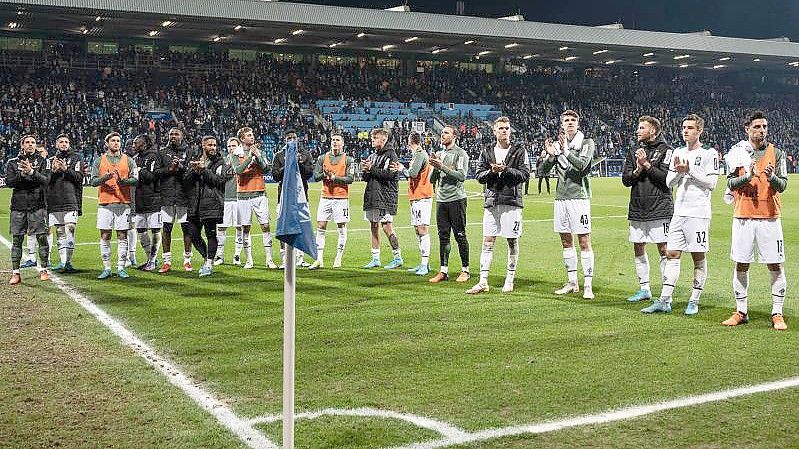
(294, 218)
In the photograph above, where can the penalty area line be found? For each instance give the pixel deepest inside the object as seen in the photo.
(223, 414)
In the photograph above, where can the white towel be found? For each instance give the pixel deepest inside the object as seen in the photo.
(740, 155)
(575, 144)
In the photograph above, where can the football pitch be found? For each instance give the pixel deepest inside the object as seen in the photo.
(387, 360)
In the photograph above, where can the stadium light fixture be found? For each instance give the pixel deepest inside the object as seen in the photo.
(599, 52)
(218, 38)
(564, 48)
(13, 25)
(682, 66)
(512, 45)
(388, 47)
(646, 55)
(794, 64)
(531, 56)
(438, 50)
(411, 39)
(726, 58)
(570, 58)
(84, 30)
(296, 32)
(360, 35)
(335, 44)
(719, 66)
(280, 40)
(167, 23)
(650, 62)
(612, 61)
(153, 33)
(238, 27)
(98, 18)
(677, 58)
(483, 53)
(756, 60)
(468, 42)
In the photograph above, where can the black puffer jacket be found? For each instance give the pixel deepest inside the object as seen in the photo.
(304, 162)
(173, 188)
(148, 189)
(30, 192)
(206, 190)
(65, 190)
(650, 197)
(503, 188)
(382, 184)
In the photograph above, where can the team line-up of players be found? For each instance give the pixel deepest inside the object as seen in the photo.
(143, 193)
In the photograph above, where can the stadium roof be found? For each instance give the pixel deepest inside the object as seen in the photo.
(285, 26)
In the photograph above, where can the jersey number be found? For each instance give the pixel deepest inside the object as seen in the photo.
(516, 225)
(701, 237)
(584, 220)
(665, 228)
(780, 246)
(417, 214)
(346, 212)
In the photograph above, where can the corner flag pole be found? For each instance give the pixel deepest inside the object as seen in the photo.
(288, 349)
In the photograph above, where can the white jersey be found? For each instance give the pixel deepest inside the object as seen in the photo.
(693, 196)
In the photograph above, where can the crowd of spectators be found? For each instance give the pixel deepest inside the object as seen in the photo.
(208, 93)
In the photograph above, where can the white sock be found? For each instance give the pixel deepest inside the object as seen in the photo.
(778, 287)
(670, 275)
(132, 239)
(168, 257)
(156, 246)
(209, 263)
(642, 270)
(62, 246)
(513, 260)
(31, 248)
(105, 253)
(740, 287)
(663, 260)
(587, 258)
(444, 269)
(397, 253)
(266, 237)
(221, 236)
(342, 241)
(424, 249)
(247, 246)
(570, 262)
(485, 261)
(700, 275)
(239, 241)
(320, 244)
(376, 253)
(187, 257)
(146, 243)
(122, 254)
(70, 243)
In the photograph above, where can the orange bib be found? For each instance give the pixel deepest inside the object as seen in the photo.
(420, 187)
(112, 192)
(251, 179)
(758, 199)
(333, 189)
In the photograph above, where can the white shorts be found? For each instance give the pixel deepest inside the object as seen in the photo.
(113, 216)
(148, 221)
(333, 209)
(378, 216)
(62, 218)
(573, 216)
(689, 234)
(245, 208)
(171, 213)
(655, 231)
(229, 219)
(420, 211)
(767, 233)
(502, 221)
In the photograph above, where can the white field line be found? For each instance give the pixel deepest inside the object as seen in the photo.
(621, 414)
(223, 414)
(480, 223)
(447, 430)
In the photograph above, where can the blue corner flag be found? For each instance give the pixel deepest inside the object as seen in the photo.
(294, 217)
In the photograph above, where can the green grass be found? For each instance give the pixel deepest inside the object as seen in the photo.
(393, 341)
